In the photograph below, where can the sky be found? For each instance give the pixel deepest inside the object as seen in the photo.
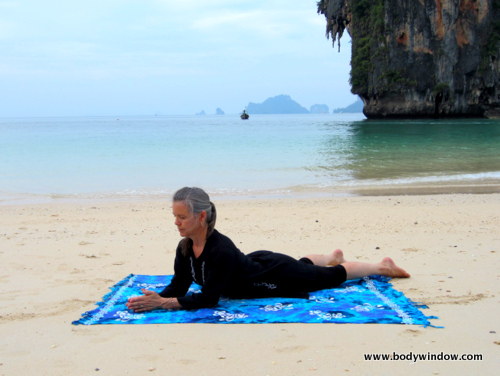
(165, 57)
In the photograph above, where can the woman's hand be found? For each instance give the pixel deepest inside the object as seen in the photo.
(149, 301)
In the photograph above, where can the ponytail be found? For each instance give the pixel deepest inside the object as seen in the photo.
(211, 220)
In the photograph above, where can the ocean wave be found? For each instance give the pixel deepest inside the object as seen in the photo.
(470, 177)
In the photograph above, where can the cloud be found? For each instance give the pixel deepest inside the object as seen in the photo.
(226, 18)
(278, 21)
(8, 4)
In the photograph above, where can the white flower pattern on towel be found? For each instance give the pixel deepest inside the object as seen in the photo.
(277, 307)
(326, 315)
(366, 307)
(127, 316)
(151, 286)
(226, 316)
(319, 299)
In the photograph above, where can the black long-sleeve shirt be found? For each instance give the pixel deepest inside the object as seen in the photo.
(223, 270)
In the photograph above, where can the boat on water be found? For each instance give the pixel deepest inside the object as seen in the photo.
(244, 115)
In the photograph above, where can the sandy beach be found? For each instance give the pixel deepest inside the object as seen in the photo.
(59, 259)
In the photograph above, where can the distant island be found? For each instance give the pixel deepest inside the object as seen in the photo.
(352, 108)
(280, 104)
(284, 104)
(319, 109)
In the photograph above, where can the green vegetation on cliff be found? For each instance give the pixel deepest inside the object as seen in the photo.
(490, 49)
(367, 38)
(370, 52)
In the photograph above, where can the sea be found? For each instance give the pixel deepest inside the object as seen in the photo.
(108, 158)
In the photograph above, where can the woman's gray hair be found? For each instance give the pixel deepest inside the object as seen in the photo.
(197, 200)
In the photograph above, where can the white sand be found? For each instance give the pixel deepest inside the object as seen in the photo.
(59, 259)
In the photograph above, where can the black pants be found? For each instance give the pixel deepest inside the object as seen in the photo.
(283, 275)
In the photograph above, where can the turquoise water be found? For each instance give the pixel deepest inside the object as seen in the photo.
(266, 155)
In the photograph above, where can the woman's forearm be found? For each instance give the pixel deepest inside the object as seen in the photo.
(170, 303)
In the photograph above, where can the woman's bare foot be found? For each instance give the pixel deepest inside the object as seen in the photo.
(390, 269)
(336, 258)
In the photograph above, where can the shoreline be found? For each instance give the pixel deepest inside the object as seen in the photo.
(296, 192)
(60, 258)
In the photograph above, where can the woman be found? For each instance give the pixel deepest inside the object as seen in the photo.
(211, 259)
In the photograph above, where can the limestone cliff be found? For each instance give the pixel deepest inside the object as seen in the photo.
(421, 58)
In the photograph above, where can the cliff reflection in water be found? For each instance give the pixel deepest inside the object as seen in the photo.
(415, 149)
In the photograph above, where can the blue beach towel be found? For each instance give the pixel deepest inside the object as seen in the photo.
(368, 300)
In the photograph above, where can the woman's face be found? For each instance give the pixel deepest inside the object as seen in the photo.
(188, 224)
